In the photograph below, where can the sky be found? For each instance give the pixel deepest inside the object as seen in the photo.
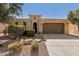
(49, 10)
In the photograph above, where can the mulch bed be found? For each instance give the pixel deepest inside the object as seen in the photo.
(27, 51)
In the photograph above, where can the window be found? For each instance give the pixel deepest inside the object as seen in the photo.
(16, 23)
(24, 23)
(34, 17)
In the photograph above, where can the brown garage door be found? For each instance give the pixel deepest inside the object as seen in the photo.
(53, 28)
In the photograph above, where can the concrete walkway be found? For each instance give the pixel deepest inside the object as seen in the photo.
(66, 45)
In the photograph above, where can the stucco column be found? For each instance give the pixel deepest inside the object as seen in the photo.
(66, 28)
(40, 28)
(28, 25)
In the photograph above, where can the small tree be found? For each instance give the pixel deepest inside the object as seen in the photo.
(9, 12)
(73, 17)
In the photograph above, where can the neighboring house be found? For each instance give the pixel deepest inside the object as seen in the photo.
(48, 26)
(73, 29)
(2, 27)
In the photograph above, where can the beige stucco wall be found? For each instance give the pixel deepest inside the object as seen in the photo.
(40, 21)
(68, 27)
(63, 21)
(73, 29)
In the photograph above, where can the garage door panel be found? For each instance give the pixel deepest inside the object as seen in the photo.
(53, 28)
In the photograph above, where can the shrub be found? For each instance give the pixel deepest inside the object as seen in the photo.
(30, 33)
(27, 42)
(16, 46)
(39, 33)
(25, 33)
(15, 30)
(34, 44)
(22, 41)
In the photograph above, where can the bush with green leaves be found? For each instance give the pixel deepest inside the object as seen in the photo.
(25, 33)
(15, 30)
(30, 33)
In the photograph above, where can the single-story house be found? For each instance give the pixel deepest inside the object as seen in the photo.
(47, 25)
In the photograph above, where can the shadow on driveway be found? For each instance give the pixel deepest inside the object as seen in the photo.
(59, 36)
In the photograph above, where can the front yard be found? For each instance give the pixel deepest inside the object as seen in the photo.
(26, 49)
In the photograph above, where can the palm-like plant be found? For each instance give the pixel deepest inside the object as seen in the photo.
(70, 16)
(73, 17)
(9, 12)
(77, 11)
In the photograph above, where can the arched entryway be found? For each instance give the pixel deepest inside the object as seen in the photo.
(35, 27)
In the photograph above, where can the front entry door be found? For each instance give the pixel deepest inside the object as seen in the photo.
(35, 27)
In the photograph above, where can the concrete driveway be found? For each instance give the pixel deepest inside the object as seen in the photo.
(59, 36)
(62, 45)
